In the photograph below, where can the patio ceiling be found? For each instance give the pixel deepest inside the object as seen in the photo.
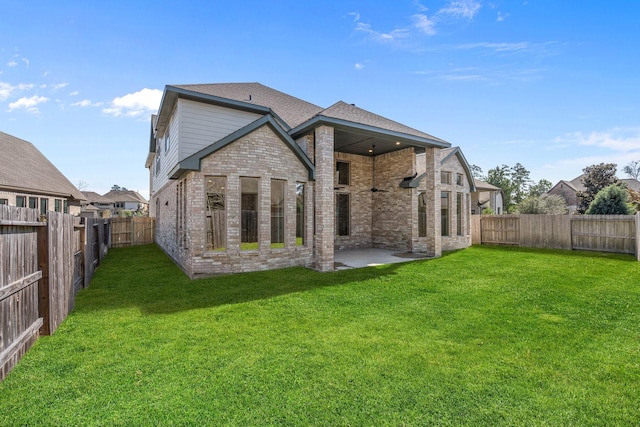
(361, 143)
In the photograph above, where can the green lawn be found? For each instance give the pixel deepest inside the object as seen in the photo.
(483, 336)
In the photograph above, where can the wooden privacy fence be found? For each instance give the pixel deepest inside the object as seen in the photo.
(606, 233)
(131, 231)
(43, 264)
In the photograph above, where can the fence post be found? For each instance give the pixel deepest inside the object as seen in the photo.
(44, 303)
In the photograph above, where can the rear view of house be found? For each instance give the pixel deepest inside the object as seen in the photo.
(29, 180)
(244, 177)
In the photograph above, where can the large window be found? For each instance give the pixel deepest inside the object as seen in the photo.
(459, 179)
(444, 212)
(459, 214)
(422, 214)
(21, 201)
(44, 205)
(216, 213)
(300, 232)
(33, 202)
(57, 205)
(277, 213)
(249, 213)
(342, 172)
(342, 214)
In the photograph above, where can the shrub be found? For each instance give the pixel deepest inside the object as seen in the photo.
(611, 200)
(552, 204)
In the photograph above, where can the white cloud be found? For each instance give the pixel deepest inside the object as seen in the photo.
(59, 86)
(137, 104)
(74, 93)
(359, 66)
(424, 24)
(356, 16)
(7, 89)
(617, 139)
(502, 17)
(497, 47)
(12, 63)
(28, 104)
(86, 103)
(394, 35)
(463, 8)
(420, 6)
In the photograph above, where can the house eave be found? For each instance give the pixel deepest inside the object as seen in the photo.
(405, 138)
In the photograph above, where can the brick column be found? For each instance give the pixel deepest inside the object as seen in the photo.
(432, 179)
(324, 199)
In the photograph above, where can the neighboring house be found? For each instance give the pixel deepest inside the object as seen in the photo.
(97, 205)
(28, 179)
(244, 178)
(128, 200)
(569, 190)
(487, 196)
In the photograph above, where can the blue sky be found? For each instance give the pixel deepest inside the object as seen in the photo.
(553, 85)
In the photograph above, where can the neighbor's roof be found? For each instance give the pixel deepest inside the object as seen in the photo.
(485, 186)
(633, 184)
(125, 196)
(26, 169)
(93, 197)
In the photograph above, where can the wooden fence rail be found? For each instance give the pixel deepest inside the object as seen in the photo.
(605, 233)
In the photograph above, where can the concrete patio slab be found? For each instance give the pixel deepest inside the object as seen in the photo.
(358, 258)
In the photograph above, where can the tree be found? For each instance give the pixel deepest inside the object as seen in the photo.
(82, 185)
(116, 187)
(632, 169)
(476, 171)
(551, 204)
(596, 178)
(519, 183)
(514, 182)
(612, 200)
(541, 187)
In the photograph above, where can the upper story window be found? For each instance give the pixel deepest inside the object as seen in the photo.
(167, 140)
(343, 173)
(459, 179)
(21, 201)
(445, 177)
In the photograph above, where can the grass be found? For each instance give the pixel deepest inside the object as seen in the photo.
(483, 336)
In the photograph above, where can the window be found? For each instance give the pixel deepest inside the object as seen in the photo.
(459, 214)
(342, 171)
(4, 201)
(157, 164)
(459, 179)
(249, 213)
(342, 214)
(33, 202)
(216, 213)
(422, 214)
(65, 206)
(167, 139)
(444, 213)
(57, 205)
(181, 213)
(445, 177)
(300, 232)
(277, 213)
(21, 201)
(44, 205)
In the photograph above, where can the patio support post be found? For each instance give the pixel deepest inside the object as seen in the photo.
(432, 178)
(325, 203)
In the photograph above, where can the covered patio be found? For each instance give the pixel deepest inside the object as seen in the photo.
(345, 259)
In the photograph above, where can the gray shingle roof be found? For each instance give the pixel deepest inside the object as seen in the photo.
(125, 196)
(348, 112)
(93, 197)
(25, 168)
(292, 110)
